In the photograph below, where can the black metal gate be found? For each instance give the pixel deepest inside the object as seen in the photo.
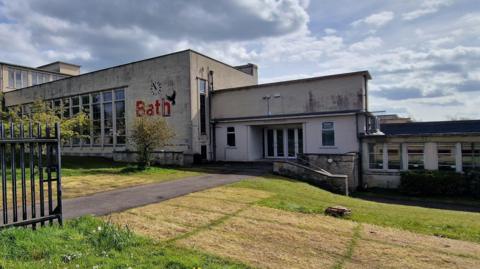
(30, 165)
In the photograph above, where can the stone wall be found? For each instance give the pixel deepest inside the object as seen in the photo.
(334, 183)
(342, 164)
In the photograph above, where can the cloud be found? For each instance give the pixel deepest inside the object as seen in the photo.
(377, 19)
(367, 44)
(427, 7)
(54, 29)
(395, 93)
(469, 86)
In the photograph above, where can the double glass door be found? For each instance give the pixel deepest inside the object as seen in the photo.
(283, 142)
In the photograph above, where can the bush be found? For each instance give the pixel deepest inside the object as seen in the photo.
(425, 183)
(474, 182)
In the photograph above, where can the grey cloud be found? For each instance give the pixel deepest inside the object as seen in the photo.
(469, 86)
(197, 19)
(399, 93)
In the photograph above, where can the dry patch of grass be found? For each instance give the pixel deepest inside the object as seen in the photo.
(269, 245)
(371, 254)
(229, 222)
(76, 186)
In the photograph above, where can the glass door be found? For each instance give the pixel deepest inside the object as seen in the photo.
(283, 142)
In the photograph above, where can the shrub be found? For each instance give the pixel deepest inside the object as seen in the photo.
(474, 182)
(423, 183)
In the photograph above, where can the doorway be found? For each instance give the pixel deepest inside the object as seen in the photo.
(285, 142)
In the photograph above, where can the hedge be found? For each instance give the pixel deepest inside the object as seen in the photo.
(436, 183)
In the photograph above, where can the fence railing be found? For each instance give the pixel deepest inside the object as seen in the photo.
(30, 164)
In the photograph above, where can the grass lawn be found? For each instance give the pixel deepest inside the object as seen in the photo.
(266, 222)
(300, 197)
(92, 243)
(274, 223)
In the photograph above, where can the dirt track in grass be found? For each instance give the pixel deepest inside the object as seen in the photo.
(227, 222)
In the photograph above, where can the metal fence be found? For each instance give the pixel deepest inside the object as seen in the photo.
(30, 165)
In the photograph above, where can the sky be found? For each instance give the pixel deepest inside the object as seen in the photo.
(423, 55)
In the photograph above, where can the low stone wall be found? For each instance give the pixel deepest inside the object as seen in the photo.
(342, 164)
(158, 157)
(334, 183)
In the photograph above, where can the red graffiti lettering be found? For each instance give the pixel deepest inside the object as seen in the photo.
(140, 108)
(158, 107)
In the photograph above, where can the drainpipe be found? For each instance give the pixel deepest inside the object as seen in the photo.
(360, 154)
(213, 144)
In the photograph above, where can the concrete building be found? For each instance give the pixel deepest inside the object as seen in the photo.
(219, 112)
(13, 76)
(444, 145)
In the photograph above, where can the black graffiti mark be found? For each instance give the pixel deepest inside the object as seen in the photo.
(172, 97)
(156, 87)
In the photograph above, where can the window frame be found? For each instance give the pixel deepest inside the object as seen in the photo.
(231, 132)
(328, 131)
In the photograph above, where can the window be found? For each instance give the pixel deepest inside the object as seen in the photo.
(75, 111)
(328, 134)
(375, 156)
(446, 156)
(11, 78)
(270, 146)
(202, 85)
(291, 142)
(96, 120)
(120, 117)
(231, 136)
(107, 118)
(18, 79)
(415, 156)
(86, 130)
(280, 152)
(300, 141)
(394, 156)
(66, 108)
(470, 156)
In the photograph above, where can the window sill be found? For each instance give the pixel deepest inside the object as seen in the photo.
(328, 147)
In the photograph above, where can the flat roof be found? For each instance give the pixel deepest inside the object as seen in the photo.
(32, 68)
(59, 62)
(431, 128)
(364, 72)
(134, 62)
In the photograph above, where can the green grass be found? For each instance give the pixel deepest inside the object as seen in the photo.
(92, 243)
(300, 197)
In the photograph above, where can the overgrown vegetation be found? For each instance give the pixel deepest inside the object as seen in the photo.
(300, 197)
(92, 243)
(147, 134)
(436, 183)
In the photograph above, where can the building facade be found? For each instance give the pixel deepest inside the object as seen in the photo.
(219, 112)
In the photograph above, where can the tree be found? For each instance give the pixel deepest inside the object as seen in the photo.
(149, 133)
(42, 113)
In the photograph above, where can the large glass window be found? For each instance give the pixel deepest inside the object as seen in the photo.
(231, 136)
(107, 118)
(85, 99)
(470, 156)
(375, 156)
(394, 156)
(75, 111)
(96, 120)
(11, 78)
(202, 88)
(328, 134)
(300, 141)
(415, 156)
(291, 142)
(270, 146)
(446, 156)
(280, 151)
(120, 116)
